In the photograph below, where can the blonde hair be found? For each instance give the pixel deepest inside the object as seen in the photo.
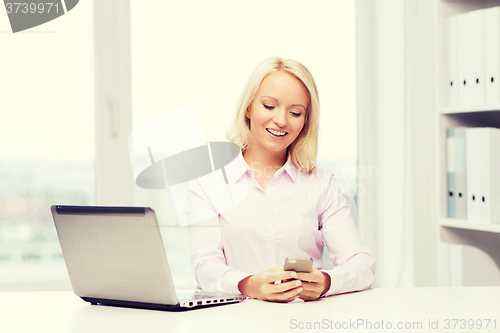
(303, 151)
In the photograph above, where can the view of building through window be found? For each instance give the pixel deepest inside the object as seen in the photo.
(46, 142)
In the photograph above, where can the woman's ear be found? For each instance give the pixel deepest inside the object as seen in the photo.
(247, 111)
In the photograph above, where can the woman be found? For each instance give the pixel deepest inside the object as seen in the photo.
(284, 207)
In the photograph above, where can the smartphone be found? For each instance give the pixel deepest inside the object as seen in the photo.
(297, 264)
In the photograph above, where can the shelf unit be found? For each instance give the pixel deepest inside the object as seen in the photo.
(455, 231)
(468, 225)
(467, 109)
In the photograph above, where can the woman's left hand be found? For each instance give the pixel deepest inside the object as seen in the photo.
(314, 284)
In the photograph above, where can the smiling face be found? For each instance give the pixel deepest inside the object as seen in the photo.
(277, 113)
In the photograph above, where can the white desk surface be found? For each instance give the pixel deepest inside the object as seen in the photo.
(64, 312)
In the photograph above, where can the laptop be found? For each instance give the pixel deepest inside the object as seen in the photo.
(115, 256)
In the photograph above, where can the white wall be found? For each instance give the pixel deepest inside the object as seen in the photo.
(397, 75)
(391, 141)
(422, 133)
(383, 138)
(203, 52)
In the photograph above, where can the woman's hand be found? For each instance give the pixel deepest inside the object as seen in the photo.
(263, 285)
(314, 284)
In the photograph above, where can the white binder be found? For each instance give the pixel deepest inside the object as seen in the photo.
(471, 57)
(450, 172)
(452, 60)
(492, 55)
(460, 179)
(482, 174)
(476, 19)
(464, 59)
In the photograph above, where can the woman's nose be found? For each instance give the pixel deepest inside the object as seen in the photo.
(280, 118)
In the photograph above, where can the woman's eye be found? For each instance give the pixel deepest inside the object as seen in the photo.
(295, 114)
(269, 107)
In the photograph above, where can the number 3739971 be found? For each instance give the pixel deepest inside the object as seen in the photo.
(25, 8)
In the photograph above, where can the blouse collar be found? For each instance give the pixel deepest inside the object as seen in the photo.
(239, 167)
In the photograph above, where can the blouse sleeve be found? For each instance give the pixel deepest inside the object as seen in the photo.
(207, 251)
(354, 264)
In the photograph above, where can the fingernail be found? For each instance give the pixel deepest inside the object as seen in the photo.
(298, 283)
(299, 290)
(293, 274)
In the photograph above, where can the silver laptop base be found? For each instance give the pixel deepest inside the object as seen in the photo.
(150, 306)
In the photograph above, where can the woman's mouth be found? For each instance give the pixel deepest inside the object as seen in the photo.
(276, 134)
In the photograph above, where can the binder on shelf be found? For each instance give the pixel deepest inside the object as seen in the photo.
(452, 60)
(464, 59)
(482, 174)
(471, 57)
(492, 54)
(476, 21)
(450, 171)
(460, 183)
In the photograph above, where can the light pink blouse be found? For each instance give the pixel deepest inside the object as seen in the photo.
(237, 229)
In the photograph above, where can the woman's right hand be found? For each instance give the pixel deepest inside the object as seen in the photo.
(263, 285)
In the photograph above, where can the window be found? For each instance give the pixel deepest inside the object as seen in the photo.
(47, 153)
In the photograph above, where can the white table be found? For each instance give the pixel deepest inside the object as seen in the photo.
(65, 312)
